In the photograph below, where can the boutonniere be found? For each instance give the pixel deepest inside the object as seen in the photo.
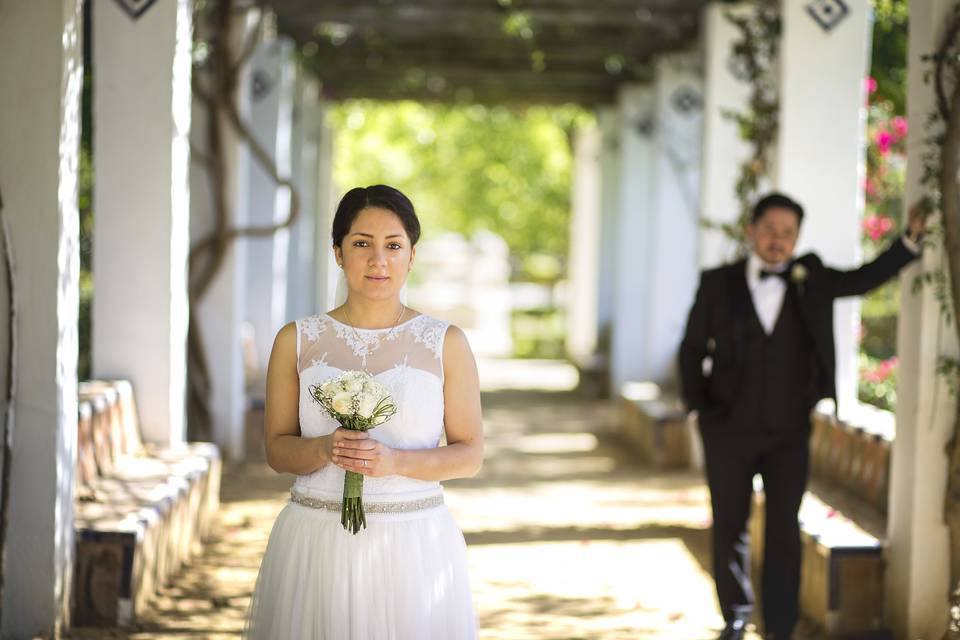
(798, 276)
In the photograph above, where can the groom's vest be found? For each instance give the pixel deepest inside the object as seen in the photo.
(779, 383)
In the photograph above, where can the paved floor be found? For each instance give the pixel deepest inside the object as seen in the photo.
(569, 537)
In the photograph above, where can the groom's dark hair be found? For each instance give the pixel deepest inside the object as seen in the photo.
(776, 201)
(378, 195)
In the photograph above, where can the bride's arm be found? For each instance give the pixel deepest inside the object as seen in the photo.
(287, 451)
(463, 454)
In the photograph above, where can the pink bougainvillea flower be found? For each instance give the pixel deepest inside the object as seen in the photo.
(877, 226)
(899, 124)
(883, 139)
(871, 84)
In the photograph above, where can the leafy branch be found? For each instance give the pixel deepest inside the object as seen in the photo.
(752, 60)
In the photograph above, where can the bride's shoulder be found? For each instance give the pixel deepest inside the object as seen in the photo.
(312, 327)
(428, 331)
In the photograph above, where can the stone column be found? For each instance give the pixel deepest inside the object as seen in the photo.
(630, 320)
(820, 150)
(918, 554)
(302, 263)
(585, 230)
(326, 264)
(673, 224)
(41, 77)
(220, 312)
(723, 149)
(608, 120)
(272, 120)
(141, 199)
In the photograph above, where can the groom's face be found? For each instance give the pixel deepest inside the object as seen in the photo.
(774, 235)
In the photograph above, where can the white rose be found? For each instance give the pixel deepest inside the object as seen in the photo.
(342, 403)
(353, 383)
(327, 388)
(366, 404)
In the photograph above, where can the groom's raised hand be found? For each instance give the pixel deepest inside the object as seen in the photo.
(917, 219)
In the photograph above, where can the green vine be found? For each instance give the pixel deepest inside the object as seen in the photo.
(752, 60)
(944, 70)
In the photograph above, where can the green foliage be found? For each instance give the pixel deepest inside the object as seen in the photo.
(888, 63)
(538, 333)
(466, 167)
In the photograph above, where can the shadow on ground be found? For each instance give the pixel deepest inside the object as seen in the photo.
(568, 536)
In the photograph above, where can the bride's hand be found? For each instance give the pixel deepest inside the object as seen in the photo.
(360, 453)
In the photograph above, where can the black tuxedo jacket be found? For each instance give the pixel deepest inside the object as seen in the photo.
(717, 325)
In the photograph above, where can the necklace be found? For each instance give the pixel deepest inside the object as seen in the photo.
(376, 342)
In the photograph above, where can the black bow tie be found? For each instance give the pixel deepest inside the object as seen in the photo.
(764, 274)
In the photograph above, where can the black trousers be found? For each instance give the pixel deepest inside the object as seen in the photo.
(732, 459)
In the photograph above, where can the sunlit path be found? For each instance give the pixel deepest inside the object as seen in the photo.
(569, 537)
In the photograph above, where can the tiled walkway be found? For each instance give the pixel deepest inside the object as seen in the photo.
(568, 536)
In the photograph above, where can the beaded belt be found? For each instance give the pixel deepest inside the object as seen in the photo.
(373, 507)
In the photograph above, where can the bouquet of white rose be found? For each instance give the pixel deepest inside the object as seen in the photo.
(359, 403)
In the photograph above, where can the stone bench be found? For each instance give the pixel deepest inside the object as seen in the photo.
(852, 459)
(656, 423)
(140, 510)
(842, 575)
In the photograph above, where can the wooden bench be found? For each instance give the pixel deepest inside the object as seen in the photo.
(140, 510)
(656, 424)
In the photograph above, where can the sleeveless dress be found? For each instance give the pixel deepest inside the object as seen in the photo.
(405, 575)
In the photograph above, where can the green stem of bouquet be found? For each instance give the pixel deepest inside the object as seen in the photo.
(351, 516)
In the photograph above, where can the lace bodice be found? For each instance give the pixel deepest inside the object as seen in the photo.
(408, 360)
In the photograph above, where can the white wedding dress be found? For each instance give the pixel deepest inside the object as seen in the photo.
(404, 577)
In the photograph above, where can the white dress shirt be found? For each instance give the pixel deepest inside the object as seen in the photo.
(767, 293)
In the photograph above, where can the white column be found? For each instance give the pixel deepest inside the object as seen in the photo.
(631, 285)
(724, 151)
(41, 76)
(141, 198)
(220, 312)
(301, 267)
(272, 120)
(327, 196)
(608, 119)
(918, 556)
(820, 151)
(583, 274)
(674, 222)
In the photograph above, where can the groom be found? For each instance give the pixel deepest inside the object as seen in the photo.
(757, 355)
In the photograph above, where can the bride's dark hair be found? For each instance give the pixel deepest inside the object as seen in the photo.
(378, 195)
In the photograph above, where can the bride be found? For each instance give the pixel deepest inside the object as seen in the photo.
(405, 575)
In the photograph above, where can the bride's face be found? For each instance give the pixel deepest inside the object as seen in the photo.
(376, 254)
